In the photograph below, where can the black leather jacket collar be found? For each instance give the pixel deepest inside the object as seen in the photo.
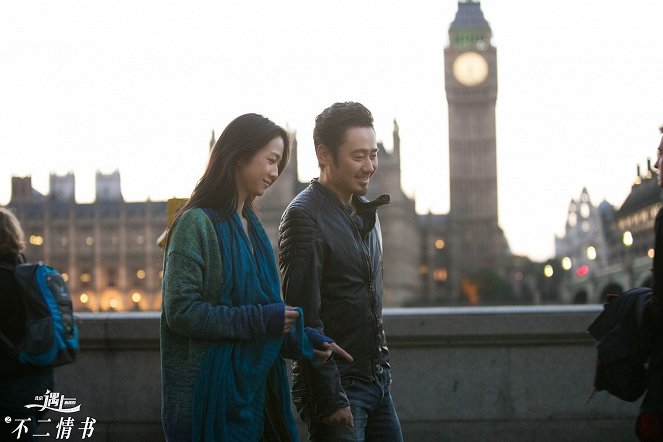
(363, 204)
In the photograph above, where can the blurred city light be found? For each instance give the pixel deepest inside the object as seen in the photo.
(36, 240)
(627, 239)
(582, 270)
(548, 271)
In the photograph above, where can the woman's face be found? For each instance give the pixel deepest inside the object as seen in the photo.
(257, 174)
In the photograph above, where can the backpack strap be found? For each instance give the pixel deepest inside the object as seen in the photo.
(5, 343)
(7, 346)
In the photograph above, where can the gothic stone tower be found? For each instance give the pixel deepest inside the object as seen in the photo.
(470, 62)
(400, 231)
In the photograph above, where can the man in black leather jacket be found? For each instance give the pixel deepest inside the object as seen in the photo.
(330, 251)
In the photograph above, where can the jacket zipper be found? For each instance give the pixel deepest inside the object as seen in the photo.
(371, 288)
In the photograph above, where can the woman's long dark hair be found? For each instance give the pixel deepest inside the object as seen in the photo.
(239, 142)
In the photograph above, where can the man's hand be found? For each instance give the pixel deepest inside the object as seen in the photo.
(291, 315)
(334, 347)
(341, 417)
(322, 356)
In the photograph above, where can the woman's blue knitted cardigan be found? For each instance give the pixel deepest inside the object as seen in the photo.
(220, 331)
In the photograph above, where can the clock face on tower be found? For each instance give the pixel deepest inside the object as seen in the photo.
(470, 69)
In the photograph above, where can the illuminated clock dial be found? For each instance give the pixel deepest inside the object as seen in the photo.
(470, 69)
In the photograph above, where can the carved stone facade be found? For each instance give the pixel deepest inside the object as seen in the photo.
(106, 249)
(587, 241)
(606, 249)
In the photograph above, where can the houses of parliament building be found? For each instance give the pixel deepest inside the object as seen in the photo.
(108, 252)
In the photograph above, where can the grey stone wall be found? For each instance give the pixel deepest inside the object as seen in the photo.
(501, 374)
(460, 374)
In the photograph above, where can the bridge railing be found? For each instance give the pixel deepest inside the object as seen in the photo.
(480, 373)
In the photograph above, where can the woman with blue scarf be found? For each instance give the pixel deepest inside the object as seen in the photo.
(224, 327)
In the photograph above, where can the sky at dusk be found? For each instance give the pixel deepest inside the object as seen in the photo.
(139, 86)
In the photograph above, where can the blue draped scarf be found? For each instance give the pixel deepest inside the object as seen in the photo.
(229, 397)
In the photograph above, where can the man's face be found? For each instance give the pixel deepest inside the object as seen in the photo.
(659, 163)
(356, 161)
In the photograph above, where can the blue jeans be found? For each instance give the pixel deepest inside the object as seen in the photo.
(373, 413)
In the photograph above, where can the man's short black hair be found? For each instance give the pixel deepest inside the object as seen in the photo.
(332, 124)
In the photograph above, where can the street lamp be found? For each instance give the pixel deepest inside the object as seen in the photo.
(627, 239)
(136, 298)
(548, 271)
(591, 253)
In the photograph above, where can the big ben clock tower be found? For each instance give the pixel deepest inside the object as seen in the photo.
(475, 239)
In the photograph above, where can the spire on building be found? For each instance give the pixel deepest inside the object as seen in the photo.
(470, 30)
(396, 151)
(22, 190)
(293, 154)
(212, 141)
(469, 16)
(62, 188)
(108, 187)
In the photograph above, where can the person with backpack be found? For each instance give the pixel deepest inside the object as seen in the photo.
(649, 426)
(19, 383)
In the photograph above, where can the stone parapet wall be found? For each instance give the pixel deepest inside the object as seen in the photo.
(493, 373)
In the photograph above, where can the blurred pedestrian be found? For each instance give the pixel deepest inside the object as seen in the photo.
(649, 426)
(19, 383)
